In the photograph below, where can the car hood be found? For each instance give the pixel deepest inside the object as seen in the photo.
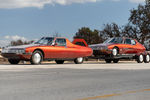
(100, 45)
(22, 46)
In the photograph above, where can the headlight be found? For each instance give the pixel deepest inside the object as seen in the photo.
(17, 51)
(4, 50)
(20, 51)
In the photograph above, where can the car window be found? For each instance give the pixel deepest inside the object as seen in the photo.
(133, 42)
(61, 42)
(128, 41)
(45, 41)
(80, 43)
(114, 40)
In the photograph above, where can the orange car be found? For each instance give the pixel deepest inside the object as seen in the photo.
(48, 48)
(117, 48)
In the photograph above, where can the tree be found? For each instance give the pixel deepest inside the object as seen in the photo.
(110, 30)
(131, 32)
(20, 42)
(91, 37)
(140, 20)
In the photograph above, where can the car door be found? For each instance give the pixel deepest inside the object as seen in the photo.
(128, 49)
(60, 48)
(134, 46)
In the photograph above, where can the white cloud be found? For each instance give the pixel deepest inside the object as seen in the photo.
(7, 39)
(38, 3)
(137, 1)
(15, 37)
(9, 4)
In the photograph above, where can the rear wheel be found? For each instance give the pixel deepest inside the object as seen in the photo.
(140, 58)
(13, 61)
(147, 58)
(37, 57)
(59, 61)
(79, 60)
(116, 60)
(108, 60)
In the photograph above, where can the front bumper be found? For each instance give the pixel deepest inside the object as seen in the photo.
(102, 52)
(25, 56)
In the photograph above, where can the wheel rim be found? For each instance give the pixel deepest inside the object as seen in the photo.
(141, 58)
(147, 58)
(80, 59)
(114, 52)
(37, 58)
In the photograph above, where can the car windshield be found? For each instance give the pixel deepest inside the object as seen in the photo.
(114, 40)
(45, 40)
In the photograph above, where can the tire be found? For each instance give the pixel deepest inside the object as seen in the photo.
(13, 61)
(79, 60)
(147, 58)
(37, 57)
(115, 51)
(115, 60)
(59, 61)
(108, 60)
(140, 58)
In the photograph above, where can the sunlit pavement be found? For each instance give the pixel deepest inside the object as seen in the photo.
(88, 81)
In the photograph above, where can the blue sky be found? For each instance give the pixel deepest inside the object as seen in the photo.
(32, 19)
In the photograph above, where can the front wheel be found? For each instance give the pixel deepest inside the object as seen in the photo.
(36, 58)
(13, 61)
(79, 60)
(59, 61)
(115, 51)
(140, 58)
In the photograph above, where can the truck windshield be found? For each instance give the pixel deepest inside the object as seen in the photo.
(114, 40)
(45, 40)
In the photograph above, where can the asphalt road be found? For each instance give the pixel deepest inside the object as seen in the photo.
(92, 81)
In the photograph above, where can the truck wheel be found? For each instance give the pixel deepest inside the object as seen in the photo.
(116, 60)
(115, 51)
(59, 61)
(13, 61)
(147, 58)
(37, 57)
(140, 58)
(108, 60)
(79, 60)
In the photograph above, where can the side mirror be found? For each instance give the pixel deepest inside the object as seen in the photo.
(54, 44)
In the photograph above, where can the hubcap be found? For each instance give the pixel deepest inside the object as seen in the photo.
(141, 58)
(114, 52)
(80, 59)
(37, 58)
(147, 58)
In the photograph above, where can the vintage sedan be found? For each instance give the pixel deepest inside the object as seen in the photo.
(47, 48)
(117, 48)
